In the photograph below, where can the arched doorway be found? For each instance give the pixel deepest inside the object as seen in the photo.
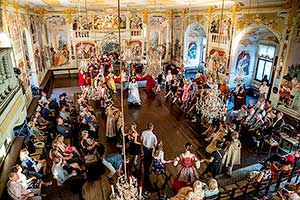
(194, 47)
(29, 59)
(254, 51)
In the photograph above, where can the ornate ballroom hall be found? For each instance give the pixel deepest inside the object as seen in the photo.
(149, 99)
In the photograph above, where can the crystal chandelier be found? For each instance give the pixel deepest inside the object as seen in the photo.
(239, 77)
(212, 106)
(126, 190)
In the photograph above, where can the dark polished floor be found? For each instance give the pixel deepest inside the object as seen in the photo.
(171, 126)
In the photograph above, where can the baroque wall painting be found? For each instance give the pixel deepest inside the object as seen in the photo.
(243, 62)
(177, 38)
(84, 50)
(221, 26)
(135, 22)
(136, 47)
(154, 39)
(289, 90)
(217, 63)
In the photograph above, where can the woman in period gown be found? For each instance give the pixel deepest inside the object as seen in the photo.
(81, 77)
(150, 82)
(186, 95)
(111, 81)
(133, 92)
(112, 116)
(187, 172)
(232, 154)
(239, 97)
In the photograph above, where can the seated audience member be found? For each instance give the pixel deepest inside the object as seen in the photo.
(113, 162)
(88, 144)
(29, 183)
(46, 113)
(197, 192)
(268, 107)
(291, 192)
(280, 163)
(40, 106)
(40, 120)
(59, 173)
(35, 168)
(258, 123)
(62, 129)
(63, 114)
(279, 122)
(17, 191)
(64, 149)
(250, 105)
(212, 188)
(44, 97)
(93, 131)
(189, 193)
(239, 116)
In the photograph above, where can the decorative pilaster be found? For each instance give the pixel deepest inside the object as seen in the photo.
(41, 12)
(69, 13)
(234, 9)
(170, 42)
(210, 10)
(183, 14)
(145, 31)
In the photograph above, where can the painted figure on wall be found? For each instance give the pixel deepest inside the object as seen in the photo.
(243, 62)
(289, 91)
(38, 61)
(84, 50)
(221, 27)
(192, 50)
(136, 22)
(154, 37)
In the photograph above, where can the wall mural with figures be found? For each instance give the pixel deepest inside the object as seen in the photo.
(193, 46)
(289, 90)
(217, 63)
(221, 27)
(84, 50)
(243, 62)
(177, 38)
(135, 22)
(15, 34)
(58, 39)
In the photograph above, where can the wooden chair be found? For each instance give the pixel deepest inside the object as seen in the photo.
(282, 177)
(264, 185)
(225, 194)
(243, 188)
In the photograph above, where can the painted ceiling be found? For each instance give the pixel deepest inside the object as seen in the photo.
(150, 4)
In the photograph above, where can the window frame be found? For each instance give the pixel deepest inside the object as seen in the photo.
(265, 59)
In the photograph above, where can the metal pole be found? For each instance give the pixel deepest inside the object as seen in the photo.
(121, 90)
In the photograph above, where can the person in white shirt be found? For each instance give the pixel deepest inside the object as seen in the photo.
(169, 78)
(149, 142)
(17, 191)
(263, 90)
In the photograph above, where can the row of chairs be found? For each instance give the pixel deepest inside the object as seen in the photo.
(243, 189)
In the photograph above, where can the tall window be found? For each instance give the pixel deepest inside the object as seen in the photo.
(265, 60)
